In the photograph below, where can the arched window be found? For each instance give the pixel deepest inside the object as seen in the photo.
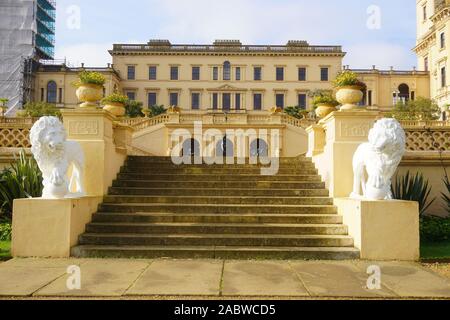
(259, 148)
(225, 148)
(227, 70)
(403, 90)
(191, 147)
(51, 92)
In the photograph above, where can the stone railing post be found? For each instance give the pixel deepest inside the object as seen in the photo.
(316, 140)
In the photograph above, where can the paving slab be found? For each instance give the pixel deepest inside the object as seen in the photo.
(179, 277)
(255, 278)
(107, 278)
(43, 263)
(410, 280)
(337, 279)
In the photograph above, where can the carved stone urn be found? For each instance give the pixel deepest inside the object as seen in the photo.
(173, 109)
(89, 94)
(117, 109)
(349, 96)
(324, 109)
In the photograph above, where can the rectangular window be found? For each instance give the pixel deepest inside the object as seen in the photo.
(173, 73)
(301, 74)
(215, 101)
(425, 64)
(131, 95)
(324, 74)
(280, 74)
(443, 77)
(131, 72)
(152, 73)
(195, 101)
(413, 95)
(173, 98)
(195, 73)
(60, 95)
(369, 97)
(302, 101)
(152, 99)
(442, 40)
(257, 101)
(42, 94)
(237, 104)
(226, 101)
(279, 98)
(238, 73)
(424, 11)
(257, 73)
(216, 73)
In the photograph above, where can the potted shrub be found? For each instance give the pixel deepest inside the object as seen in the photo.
(115, 104)
(90, 88)
(349, 90)
(3, 105)
(324, 103)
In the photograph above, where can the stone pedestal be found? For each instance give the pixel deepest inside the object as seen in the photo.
(383, 230)
(49, 228)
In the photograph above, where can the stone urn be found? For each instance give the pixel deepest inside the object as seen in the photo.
(349, 96)
(275, 110)
(89, 94)
(324, 109)
(117, 109)
(173, 109)
(146, 112)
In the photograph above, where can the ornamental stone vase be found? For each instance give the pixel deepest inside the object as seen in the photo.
(89, 94)
(349, 96)
(117, 109)
(324, 109)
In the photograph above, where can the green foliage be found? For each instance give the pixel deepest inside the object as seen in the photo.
(446, 196)
(5, 230)
(115, 98)
(22, 179)
(434, 229)
(90, 77)
(348, 78)
(413, 188)
(3, 102)
(133, 109)
(39, 109)
(156, 110)
(419, 109)
(296, 112)
(323, 97)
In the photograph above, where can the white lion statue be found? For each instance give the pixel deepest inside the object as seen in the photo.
(54, 155)
(380, 157)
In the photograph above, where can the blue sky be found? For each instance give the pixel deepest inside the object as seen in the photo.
(321, 22)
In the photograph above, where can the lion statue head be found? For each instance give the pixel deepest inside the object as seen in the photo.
(48, 138)
(388, 137)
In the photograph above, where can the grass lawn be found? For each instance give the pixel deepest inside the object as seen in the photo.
(5, 247)
(436, 250)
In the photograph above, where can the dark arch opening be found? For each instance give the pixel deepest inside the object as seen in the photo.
(191, 147)
(225, 148)
(51, 92)
(403, 90)
(259, 148)
(227, 70)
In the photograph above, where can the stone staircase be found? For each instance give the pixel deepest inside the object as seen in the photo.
(158, 209)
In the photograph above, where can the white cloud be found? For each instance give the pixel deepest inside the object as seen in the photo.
(91, 54)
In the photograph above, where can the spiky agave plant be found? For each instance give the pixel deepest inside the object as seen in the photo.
(413, 188)
(446, 196)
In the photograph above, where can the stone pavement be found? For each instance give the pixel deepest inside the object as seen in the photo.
(159, 279)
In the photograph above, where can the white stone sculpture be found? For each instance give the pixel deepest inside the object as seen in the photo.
(380, 157)
(54, 155)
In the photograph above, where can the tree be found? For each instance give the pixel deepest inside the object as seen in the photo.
(419, 109)
(156, 110)
(133, 109)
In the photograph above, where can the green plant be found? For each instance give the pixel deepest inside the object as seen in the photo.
(156, 110)
(5, 230)
(3, 102)
(324, 97)
(347, 78)
(413, 188)
(296, 112)
(419, 109)
(22, 179)
(133, 109)
(90, 77)
(434, 229)
(39, 109)
(115, 98)
(446, 196)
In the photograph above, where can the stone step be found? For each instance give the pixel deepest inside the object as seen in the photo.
(259, 240)
(157, 191)
(229, 171)
(215, 209)
(217, 228)
(217, 218)
(216, 252)
(163, 160)
(172, 165)
(218, 200)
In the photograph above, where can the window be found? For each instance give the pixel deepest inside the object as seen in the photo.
(443, 77)
(257, 101)
(279, 98)
(425, 63)
(152, 99)
(257, 73)
(131, 95)
(131, 72)
(280, 74)
(238, 73)
(51, 92)
(323, 74)
(302, 101)
(369, 98)
(301, 74)
(195, 101)
(215, 101)
(173, 73)
(60, 95)
(173, 98)
(226, 101)
(216, 73)
(152, 73)
(195, 73)
(226, 70)
(442, 40)
(42, 94)
(424, 11)
(237, 104)
(413, 95)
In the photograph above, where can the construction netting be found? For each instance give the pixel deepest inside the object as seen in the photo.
(17, 29)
